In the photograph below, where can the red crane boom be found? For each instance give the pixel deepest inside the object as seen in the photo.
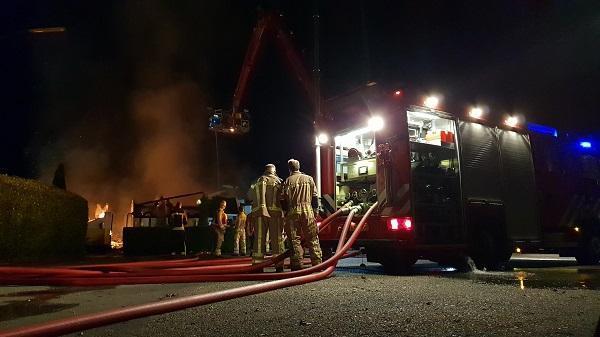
(269, 26)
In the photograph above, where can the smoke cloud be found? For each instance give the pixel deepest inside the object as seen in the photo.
(149, 141)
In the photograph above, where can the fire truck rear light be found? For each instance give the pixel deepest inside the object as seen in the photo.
(395, 224)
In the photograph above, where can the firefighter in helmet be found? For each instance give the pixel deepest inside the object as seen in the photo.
(267, 215)
(220, 226)
(300, 194)
(239, 241)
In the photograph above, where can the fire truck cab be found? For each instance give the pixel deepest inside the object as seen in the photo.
(449, 187)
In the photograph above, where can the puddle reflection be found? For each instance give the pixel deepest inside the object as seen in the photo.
(36, 302)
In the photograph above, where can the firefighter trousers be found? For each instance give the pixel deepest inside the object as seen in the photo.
(274, 225)
(239, 241)
(305, 224)
(220, 238)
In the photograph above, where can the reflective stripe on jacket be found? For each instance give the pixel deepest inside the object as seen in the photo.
(299, 189)
(266, 196)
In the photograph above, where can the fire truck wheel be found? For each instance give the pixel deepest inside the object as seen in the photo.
(462, 264)
(491, 253)
(589, 251)
(398, 266)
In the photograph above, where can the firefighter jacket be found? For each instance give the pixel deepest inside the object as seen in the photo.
(265, 195)
(299, 190)
(240, 222)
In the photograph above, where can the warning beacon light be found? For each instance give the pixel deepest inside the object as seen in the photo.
(511, 121)
(397, 224)
(375, 123)
(585, 144)
(431, 102)
(322, 138)
(476, 113)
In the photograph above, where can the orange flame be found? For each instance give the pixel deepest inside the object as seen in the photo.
(100, 211)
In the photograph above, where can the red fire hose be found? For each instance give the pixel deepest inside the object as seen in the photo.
(94, 270)
(65, 326)
(136, 272)
(159, 264)
(325, 223)
(216, 275)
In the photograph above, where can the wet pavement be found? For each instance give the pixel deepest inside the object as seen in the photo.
(525, 271)
(558, 279)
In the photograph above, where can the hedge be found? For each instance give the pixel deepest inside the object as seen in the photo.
(40, 222)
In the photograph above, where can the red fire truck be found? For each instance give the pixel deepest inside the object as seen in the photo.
(452, 186)
(448, 187)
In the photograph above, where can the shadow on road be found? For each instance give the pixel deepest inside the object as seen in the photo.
(37, 302)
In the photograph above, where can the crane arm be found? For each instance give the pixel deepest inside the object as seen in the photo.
(256, 44)
(270, 25)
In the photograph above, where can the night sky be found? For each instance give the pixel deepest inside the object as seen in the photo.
(76, 90)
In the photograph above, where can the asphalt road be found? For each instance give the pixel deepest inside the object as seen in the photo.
(542, 296)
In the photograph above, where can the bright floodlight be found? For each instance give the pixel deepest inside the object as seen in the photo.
(585, 145)
(375, 123)
(511, 121)
(432, 102)
(476, 113)
(323, 138)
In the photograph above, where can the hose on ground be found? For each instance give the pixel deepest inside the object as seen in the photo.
(70, 325)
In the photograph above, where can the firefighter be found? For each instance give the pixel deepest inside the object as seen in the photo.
(161, 212)
(179, 219)
(267, 215)
(300, 194)
(220, 226)
(239, 241)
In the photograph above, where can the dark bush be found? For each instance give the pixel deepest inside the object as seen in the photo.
(40, 222)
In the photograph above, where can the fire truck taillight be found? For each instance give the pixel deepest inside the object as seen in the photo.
(400, 224)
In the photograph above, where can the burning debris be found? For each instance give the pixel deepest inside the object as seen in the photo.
(100, 211)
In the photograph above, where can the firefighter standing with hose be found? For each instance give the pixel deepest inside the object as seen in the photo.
(300, 193)
(267, 215)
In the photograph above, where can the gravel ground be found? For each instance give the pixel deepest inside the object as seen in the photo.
(349, 304)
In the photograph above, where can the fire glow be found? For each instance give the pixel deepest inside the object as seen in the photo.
(100, 211)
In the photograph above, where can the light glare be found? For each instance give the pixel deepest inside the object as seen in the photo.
(476, 113)
(375, 123)
(323, 138)
(511, 121)
(432, 102)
